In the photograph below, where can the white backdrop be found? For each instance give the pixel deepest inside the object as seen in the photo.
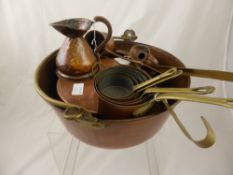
(195, 31)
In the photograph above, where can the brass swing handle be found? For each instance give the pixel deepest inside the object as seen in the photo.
(83, 117)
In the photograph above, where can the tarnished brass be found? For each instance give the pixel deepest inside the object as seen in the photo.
(169, 74)
(202, 73)
(157, 90)
(224, 102)
(197, 90)
(206, 142)
(209, 140)
(82, 116)
(129, 35)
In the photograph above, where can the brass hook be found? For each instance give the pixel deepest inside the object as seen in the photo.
(206, 142)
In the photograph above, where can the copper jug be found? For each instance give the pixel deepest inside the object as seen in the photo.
(75, 58)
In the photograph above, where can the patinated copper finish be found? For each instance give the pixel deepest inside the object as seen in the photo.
(75, 56)
(142, 53)
(108, 133)
(88, 99)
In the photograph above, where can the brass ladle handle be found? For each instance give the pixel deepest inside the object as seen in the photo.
(156, 90)
(202, 73)
(206, 142)
(167, 75)
(197, 90)
(224, 102)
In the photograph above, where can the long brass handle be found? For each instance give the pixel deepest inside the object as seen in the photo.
(213, 74)
(148, 105)
(197, 90)
(167, 75)
(202, 73)
(224, 102)
(206, 142)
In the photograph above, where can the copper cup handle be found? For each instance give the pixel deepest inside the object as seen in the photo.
(109, 33)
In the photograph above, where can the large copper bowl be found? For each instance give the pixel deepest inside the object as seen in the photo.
(109, 133)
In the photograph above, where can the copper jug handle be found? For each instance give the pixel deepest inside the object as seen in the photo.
(109, 34)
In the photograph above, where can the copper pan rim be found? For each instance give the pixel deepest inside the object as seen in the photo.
(62, 105)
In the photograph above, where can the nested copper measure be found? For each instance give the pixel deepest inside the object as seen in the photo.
(120, 95)
(115, 82)
(108, 85)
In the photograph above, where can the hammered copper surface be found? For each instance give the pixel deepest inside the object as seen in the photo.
(75, 57)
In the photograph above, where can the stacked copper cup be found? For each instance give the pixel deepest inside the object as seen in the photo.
(114, 87)
(120, 90)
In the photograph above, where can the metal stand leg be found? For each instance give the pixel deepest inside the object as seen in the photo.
(74, 157)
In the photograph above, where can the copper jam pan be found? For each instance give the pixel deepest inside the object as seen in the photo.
(105, 133)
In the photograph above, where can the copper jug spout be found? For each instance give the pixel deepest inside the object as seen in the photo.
(73, 28)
